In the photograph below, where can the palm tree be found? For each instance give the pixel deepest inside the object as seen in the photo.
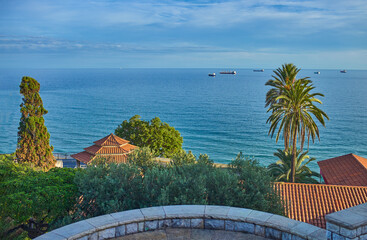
(281, 170)
(291, 113)
(283, 79)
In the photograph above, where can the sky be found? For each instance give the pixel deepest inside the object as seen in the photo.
(314, 34)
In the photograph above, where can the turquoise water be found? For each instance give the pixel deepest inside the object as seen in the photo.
(219, 116)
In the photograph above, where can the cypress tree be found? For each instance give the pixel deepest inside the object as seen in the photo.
(33, 137)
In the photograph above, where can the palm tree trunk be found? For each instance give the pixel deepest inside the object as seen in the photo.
(294, 156)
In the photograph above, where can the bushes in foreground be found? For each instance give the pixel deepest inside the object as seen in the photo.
(32, 199)
(108, 188)
(37, 201)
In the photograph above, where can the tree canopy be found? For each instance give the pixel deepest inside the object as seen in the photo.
(33, 137)
(282, 168)
(159, 136)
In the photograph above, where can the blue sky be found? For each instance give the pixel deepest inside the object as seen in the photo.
(163, 33)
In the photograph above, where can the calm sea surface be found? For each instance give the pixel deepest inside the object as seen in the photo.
(218, 116)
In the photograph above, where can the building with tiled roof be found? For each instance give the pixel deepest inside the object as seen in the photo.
(310, 203)
(111, 147)
(348, 170)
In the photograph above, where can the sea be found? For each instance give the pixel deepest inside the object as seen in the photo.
(219, 116)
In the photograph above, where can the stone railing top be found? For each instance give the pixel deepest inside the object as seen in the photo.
(350, 218)
(205, 212)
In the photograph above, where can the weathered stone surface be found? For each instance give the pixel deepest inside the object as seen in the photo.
(295, 237)
(363, 237)
(332, 227)
(120, 231)
(273, 233)
(75, 230)
(260, 230)
(151, 225)
(131, 228)
(178, 233)
(350, 218)
(153, 213)
(229, 225)
(49, 236)
(103, 222)
(164, 223)
(214, 224)
(317, 235)
(197, 223)
(107, 233)
(128, 216)
(217, 212)
(303, 229)
(140, 226)
(181, 223)
(258, 217)
(201, 234)
(286, 236)
(239, 214)
(338, 237)
(348, 232)
(281, 223)
(184, 211)
(244, 227)
(83, 238)
(93, 236)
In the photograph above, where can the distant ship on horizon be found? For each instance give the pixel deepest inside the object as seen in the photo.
(228, 72)
(258, 70)
(343, 71)
(316, 72)
(211, 74)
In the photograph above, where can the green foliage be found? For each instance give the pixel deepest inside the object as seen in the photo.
(28, 195)
(8, 231)
(33, 137)
(108, 188)
(292, 107)
(183, 158)
(158, 136)
(143, 158)
(282, 168)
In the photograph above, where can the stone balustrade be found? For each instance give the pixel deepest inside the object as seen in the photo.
(114, 225)
(350, 223)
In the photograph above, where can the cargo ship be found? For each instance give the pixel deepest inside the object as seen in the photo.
(343, 71)
(211, 74)
(228, 72)
(258, 70)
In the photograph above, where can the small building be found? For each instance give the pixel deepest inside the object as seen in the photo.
(350, 170)
(111, 147)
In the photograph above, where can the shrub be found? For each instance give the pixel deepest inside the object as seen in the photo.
(35, 199)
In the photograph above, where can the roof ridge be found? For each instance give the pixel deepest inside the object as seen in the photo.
(356, 158)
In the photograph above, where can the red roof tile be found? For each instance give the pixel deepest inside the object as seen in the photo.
(311, 202)
(111, 147)
(84, 157)
(111, 140)
(349, 170)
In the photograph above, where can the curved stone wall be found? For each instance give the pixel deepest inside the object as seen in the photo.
(187, 216)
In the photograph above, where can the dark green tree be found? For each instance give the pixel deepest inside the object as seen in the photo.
(34, 199)
(33, 137)
(155, 134)
(281, 170)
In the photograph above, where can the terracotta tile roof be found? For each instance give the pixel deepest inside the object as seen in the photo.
(126, 148)
(111, 147)
(83, 157)
(111, 140)
(311, 202)
(349, 170)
